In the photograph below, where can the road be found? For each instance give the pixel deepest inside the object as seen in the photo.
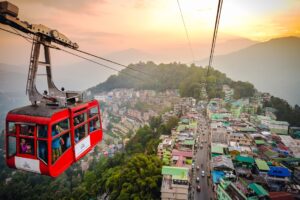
(203, 161)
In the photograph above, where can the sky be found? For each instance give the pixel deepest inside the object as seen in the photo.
(103, 26)
(152, 27)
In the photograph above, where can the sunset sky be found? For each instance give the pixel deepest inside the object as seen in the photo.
(153, 26)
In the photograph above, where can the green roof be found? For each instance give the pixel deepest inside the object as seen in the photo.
(245, 159)
(250, 129)
(259, 142)
(185, 120)
(189, 142)
(217, 149)
(181, 128)
(178, 173)
(270, 153)
(192, 125)
(279, 131)
(262, 165)
(258, 189)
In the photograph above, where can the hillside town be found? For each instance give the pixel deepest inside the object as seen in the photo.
(237, 151)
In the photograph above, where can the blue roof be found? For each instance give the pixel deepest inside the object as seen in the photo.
(279, 172)
(217, 175)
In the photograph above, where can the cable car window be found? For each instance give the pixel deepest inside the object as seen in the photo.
(94, 124)
(43, 151)
(80, 119)
(11, 128)
(93, 112)
(27, 146)
(11, 146)
(63, 125)
(60, 143)
(81, 132)
(42, 131)
(27, 129)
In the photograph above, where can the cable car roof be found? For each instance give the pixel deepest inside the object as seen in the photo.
(37, 111)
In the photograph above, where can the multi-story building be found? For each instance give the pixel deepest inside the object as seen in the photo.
(175, 184)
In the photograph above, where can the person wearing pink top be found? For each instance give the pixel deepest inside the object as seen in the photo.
(23, 146)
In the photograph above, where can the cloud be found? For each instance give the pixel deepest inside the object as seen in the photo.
(70, 5)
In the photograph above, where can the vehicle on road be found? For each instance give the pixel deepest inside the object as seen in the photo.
(197, 167)
(197, 179)
(202, 173)
(198, 188)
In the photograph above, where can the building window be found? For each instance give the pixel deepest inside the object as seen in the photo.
(12, 145)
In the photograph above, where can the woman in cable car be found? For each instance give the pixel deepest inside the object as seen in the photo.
(48, 140)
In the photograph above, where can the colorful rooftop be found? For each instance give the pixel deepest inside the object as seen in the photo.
(258, 189)
(245, 159)
(262, 165)
(177, 173)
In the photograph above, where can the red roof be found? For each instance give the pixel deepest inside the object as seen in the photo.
(280, 196)
(175, 152)
(283, 147)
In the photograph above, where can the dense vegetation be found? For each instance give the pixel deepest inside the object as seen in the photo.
(132, 174)
(284, 111)
(188, 79)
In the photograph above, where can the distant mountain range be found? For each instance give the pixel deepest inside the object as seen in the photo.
(272, 66)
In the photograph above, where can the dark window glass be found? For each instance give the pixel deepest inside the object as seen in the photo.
(27, 129)
(81, 132)
(80, 119)
(12, 145)
(43, 151)
(42, 131)
(94, 124)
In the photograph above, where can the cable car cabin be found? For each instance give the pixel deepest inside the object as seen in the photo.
(47, 140)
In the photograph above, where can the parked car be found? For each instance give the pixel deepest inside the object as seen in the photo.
(197, 167)
(197, 179)
(198, 188)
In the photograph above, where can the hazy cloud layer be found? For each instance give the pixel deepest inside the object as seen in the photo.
(71, 5)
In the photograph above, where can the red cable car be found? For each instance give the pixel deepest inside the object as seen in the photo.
(48, 140)
(58, 128)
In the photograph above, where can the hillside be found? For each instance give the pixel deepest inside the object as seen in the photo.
(272, 66)
(189, 80)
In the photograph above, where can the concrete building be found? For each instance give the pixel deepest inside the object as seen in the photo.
(175, 184)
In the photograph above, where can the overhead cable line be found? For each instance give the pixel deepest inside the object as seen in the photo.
(186, 32)
(103, 65)
(114, 62)
(214, 36)
(29, 39)
(16, 33)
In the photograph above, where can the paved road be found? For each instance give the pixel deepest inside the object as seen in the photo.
(202, 160)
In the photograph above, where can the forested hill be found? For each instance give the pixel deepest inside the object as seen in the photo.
(188, 79)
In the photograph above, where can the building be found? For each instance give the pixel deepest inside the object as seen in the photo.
(175, 184)
(228, 191)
